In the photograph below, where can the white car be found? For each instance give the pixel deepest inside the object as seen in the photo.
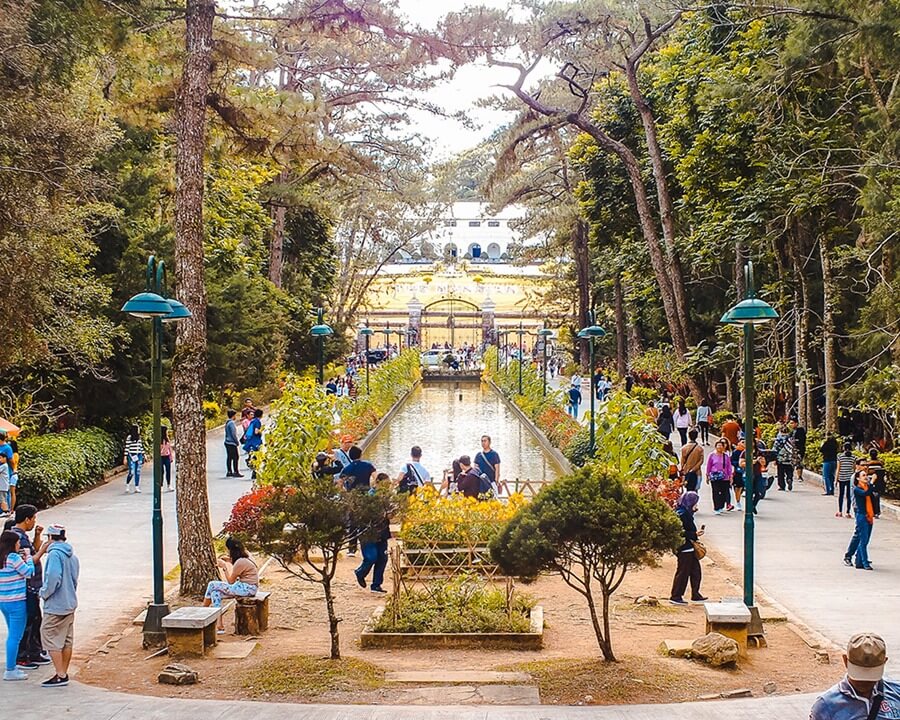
(433, 358)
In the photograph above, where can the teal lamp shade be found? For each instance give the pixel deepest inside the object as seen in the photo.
(179, 311)
(367, 331)
(321, 330)
(592, 331)
(751, 311)
(147, 305)
(545, 332)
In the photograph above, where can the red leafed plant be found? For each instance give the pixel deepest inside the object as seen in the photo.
(663, 488)
(248, 511)
(558, 426)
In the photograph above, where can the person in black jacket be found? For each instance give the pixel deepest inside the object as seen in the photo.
(688, 563)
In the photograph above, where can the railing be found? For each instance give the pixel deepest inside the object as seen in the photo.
(528, 488)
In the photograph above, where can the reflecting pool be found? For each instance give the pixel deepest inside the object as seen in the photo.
(447, 421)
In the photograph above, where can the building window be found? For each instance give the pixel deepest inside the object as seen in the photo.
(449, 223)
(474, 223)
(493, 223)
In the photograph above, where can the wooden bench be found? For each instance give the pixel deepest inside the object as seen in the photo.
(731, 619)
(190, 630)
(251, 614)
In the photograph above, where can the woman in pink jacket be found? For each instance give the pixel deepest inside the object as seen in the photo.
(718, 474)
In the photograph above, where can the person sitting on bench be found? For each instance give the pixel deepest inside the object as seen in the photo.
(241, 578)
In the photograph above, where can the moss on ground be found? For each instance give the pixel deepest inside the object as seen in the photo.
(312, 676)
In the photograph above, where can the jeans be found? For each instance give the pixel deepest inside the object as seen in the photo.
(683, 433)
(785, 476)
(688, 570)
(231, 459)
(844, 489)
(30, 645)
(15, 614)
(166, 461)
(704, 431)
(134, 471)
(374, 556)
(573, 410)
(691, 481)
(721, 493)
(859, 543)
(829, 467)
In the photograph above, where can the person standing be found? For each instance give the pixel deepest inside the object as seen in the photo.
(863, 693)
(739, 474)
(165, 456)
(488, 463)
(731, 430)
(31, 650)
(231, 446)
(134, 458)
(875, 468)
(829, 449)
(60, 601)
(14, 572)
(6, 455)
(13, 472)
(253, 440)
(688, 569)
(356, 476)
(865, 519)
(798, 436)
(651, 412)
(784, 459)
(665, 423)
(704, 414)
(413, 475)
(682, 420)
(574, 395)
(629, 382)
(247, 413)
(691, 462)
(846, 467)
(342, 453)
(718, 475)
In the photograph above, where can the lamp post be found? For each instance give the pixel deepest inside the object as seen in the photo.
(400, 332)
(152, 305)
(546, 334)
(499, 347)
(320, 331)
(367, 332)
(387, 340)
(749, 312)
(520, 332)
(592, 332)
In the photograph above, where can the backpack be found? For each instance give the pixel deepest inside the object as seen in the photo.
(486, 485)
(410, 480)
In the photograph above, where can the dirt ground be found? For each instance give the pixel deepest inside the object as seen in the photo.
(566, 671)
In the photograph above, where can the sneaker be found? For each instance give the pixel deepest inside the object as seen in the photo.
(56, 681)
(679, 601)
(382, 591)
(15, 675)
(869, 567)
(837, 514)
(718, 512)
(360, 580)
(729, 508)
(128, 489)
(739, 508)
(848, 515)
(848, 562)
(26, 665)
(699, 599)
(41, 660)
(137, 489)
(237, 475)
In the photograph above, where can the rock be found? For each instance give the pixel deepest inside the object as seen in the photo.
(589, 698)
(823, 657)
(716, 649)
(710, 696)
(743, 692)
(177, 674)
(676, 648)
(770, 688)
(647, 600)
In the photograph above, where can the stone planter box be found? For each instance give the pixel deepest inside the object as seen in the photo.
(531, 640)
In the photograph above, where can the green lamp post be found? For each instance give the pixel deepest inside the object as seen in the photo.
(400, 333)
(545, 334)
(749, 312)
(367, 332)
(591, 333)
(152, 305)
(521, 332)
(320, 331)
(499, 334)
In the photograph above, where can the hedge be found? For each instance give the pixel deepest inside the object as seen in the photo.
(892, 471)
(54, 466)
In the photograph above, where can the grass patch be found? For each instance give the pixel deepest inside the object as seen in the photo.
(568, 681)
(312, 676)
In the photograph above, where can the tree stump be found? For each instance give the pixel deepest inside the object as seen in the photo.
(251, 614)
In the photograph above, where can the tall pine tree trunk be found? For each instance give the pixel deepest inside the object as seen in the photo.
(195, 548)
(829, 296)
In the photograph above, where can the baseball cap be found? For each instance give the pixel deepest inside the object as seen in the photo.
(56, 530)
(866, 657)
(346, 438)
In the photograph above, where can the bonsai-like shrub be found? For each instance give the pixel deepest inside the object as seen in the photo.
(591, 528)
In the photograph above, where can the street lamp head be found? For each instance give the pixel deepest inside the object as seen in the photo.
(545, 332)
(591, 331)
(179, 311)
(367, 331)
(321, 330)
(147, 305)
(751, 311)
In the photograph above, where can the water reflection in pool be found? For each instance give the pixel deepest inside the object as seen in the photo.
(445, 426)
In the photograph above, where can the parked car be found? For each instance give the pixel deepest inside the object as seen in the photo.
(433, 358)
(374, 357)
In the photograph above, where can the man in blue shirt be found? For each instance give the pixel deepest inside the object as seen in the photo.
(358, 474)
(488, 463)
(864, 693)
(253, 440)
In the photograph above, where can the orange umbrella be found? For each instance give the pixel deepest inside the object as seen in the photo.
(11, 429)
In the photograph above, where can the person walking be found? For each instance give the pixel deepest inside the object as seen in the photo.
(374, 556)
(846, 467)
(665, 423)
(241, 578)
(731, 430)
(682, 420)
(829, 450)
(784, 459)
(739, 474)
(253, 440)
(688, 569)
(865, 519)
(31, 650)
(691, 462)
(704, 415)
(231, 446)
(358, 475)
(798, 436)
(14, 572)
(863, 693)
(718, 475)
(574, 395)
(134, 458)
(413, 475)
(59, 593)
(165, 456)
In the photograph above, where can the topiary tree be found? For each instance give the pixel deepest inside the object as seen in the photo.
(590, 528)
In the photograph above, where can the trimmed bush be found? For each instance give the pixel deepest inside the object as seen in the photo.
(892, 471)
(54, 466)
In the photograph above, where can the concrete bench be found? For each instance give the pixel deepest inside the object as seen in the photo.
(251, 614)
(731, 620)
(190, 630)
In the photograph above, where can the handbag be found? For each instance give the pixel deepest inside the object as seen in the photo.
(699, 549)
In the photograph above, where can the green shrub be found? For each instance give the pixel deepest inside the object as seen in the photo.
(768, 431)
(644, 395)
(211, 409)
(813, 458)
(54, 466)
(892, 470)
(579, 447)
(718, 419)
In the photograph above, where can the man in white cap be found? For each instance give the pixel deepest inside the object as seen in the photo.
(59, 595)
(864, 693)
